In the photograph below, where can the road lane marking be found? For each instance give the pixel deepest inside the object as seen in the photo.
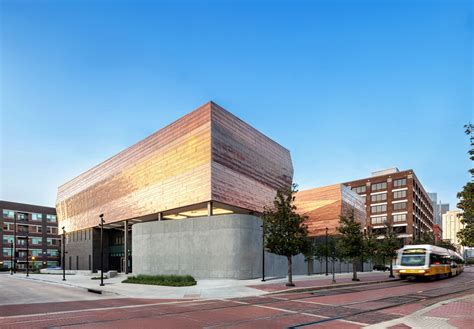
(102, 309)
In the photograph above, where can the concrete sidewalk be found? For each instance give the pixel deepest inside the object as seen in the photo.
(451, 313)
(204, 288)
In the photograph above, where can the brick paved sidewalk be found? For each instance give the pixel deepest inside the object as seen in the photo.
(452, 313)
(324, 281)
(204, 288)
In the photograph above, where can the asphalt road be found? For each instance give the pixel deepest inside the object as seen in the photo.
(333, 308)
(17, 291)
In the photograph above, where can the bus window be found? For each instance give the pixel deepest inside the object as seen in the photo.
(436, 259)
(413, 260)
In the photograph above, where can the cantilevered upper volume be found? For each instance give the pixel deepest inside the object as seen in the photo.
(208, 161)
(324, 205)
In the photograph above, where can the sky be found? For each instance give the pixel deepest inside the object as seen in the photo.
(349, 87)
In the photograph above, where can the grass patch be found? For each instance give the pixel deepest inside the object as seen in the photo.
(163, 280)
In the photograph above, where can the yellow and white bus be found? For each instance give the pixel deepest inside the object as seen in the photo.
(425, 260)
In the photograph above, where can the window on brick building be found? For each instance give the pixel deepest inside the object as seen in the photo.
(379, 186)
(400, 194)
(400, 182)
(359, 189)
(378, 197)
(378, 209)
(399, 218)
(399, 206)
(378, 220)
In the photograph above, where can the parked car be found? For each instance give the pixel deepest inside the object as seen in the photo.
(381, 268)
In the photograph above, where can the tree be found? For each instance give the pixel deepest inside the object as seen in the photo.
(351, 240)
(323, 249)
(389, 245)
(333, 255)
(446, 244)
(425, 238)
(372, 248)
(286, 233)
(466, 199)
(309, 254)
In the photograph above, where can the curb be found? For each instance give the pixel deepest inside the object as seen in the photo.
(66, 284)
(327, 287)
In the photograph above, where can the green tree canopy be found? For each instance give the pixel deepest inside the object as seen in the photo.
(350, 241)
(389, 245)
(466, 199)
(425, 238)
(285, 231)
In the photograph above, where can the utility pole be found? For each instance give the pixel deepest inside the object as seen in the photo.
(101, 249)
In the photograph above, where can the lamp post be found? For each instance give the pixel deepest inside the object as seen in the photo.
(362, 254)
(11, 257)
(333, 265)
(64, 253)
(27, 253)
(101, 249)
(14, 241)
(326, 251)
(263, 254)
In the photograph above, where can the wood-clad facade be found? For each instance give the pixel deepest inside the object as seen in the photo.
(207, 155)
(324, 205)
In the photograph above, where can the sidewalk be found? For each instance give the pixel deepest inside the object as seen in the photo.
(322, 281)
(451, 313)
(204, 288)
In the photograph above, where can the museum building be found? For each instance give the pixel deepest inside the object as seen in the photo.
(184, 200)
(188, 200)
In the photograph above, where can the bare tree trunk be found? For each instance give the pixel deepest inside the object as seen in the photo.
(354, 270)
(290, 273)
(391, 268)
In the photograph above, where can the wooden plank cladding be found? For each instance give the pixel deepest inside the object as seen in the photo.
(247, 166)
(324, 205)
(207, 155)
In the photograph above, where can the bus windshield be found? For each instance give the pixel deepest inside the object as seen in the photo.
(413, 260)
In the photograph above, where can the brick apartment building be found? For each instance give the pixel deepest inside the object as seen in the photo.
(21, 222)
(399, 198)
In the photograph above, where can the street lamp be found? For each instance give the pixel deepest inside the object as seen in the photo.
(263, 254)
(27, 253)
(64, 253)
(14, 241)
(333, 262)
(11, 257)
(326, 251)
(101, 249)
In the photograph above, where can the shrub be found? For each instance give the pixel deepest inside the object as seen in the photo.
(163, 280)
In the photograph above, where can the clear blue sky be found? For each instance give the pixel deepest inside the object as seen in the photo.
(349, 87)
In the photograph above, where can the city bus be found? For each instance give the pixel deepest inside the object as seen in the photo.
(427, 261)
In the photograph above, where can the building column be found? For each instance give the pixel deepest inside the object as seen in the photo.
(209, 208)
(126, 245)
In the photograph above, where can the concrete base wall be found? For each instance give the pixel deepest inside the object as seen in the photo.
(226, 246)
